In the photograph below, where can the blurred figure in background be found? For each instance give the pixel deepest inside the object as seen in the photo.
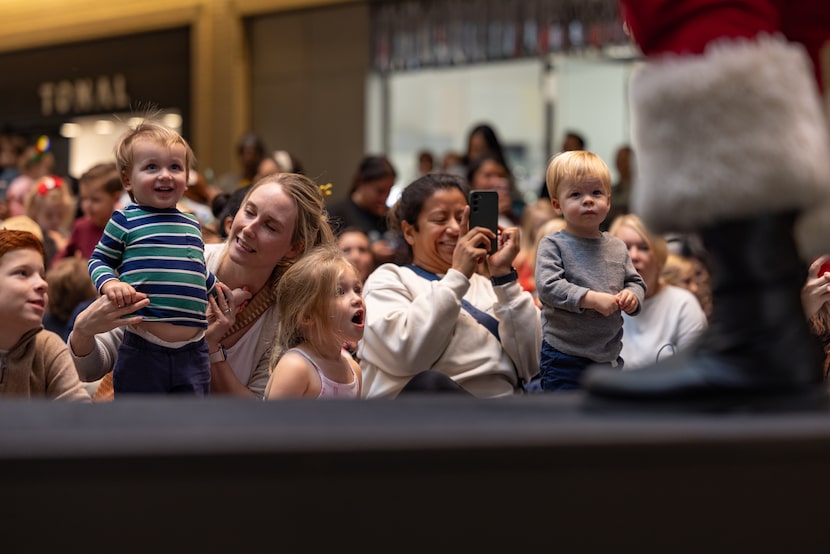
(280, 161)
(51, 204)
(249, 152)
(488, 172)
(99, 189)
(69, 287)
(365, 206)
(37, 161)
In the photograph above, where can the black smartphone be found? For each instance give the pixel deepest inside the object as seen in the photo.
(484, 212)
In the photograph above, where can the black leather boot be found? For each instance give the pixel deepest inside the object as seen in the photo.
(758, 352)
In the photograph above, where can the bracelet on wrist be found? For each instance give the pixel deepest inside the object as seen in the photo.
(505, 279)
(218, 356)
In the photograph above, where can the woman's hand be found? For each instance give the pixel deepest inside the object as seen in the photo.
(501, 261)
(471, 247)
(102, 316)
(222, 311)
(816, 291)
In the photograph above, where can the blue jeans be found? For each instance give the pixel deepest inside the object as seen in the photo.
(144, 367)
(560, 371)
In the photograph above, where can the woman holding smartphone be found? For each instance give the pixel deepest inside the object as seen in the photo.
(455, 318)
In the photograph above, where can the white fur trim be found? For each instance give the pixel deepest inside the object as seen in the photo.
(735, 132)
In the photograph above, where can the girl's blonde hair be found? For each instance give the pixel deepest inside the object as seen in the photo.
(575, 166)
(51, 190)
(304, 297)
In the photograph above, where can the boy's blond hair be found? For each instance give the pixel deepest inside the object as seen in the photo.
(150, 130)
(575, 166)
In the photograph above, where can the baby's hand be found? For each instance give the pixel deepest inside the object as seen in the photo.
(119, 293)
(628, 301)
(603, 302)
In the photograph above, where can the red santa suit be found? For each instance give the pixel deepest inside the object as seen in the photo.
(731, 142)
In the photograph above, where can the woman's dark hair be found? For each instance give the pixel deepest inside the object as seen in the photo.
(476, 164)
(372, 168)
(414, 196)
(493, 144)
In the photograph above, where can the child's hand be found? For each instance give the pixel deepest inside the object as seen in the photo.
(603, 302)
(120, 294)
(628, 301)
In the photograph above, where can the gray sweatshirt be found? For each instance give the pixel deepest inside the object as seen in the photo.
(567, 267)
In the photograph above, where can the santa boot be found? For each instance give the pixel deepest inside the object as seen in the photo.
(733, 145)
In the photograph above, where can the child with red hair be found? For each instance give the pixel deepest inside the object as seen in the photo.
(33, 362)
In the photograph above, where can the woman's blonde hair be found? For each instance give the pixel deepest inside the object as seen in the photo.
(575, 166)
(305, 293)
(657, 244)
(312, 228)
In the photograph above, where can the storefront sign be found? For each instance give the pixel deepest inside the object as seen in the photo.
(84, 95)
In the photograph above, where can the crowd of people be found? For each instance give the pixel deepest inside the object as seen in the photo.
(303, 297)
(140, 277)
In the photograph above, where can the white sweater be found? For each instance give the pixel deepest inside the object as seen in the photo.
(414, 324)
(668, 322)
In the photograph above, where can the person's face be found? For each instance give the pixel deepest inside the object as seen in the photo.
(439, 226)
(262, 229)
(493, 176)
(249, 159)
(266, 167)
(686, 278)
(477, 147)
(372, 195)
(22, 293)
(584, 205)
(641, 255)
(52, 215)
(8, 158)
(355, 246)
(158, 177)
(16, 201)
(348, 309)
(97, 203)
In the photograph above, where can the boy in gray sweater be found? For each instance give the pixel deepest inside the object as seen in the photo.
(584, 277)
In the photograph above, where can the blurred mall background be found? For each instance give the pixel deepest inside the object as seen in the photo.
(327, 80)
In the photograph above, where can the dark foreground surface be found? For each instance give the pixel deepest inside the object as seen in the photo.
(538, 473)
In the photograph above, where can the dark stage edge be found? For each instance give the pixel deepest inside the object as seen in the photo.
(410, 475)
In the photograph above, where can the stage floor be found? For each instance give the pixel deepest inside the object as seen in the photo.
(414, 474)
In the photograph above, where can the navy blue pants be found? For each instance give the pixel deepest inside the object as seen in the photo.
(560, 371)
(146, 368)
